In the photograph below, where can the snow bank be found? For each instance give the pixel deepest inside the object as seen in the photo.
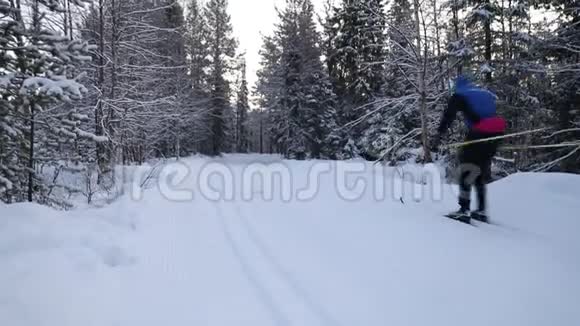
(57, 266)
(545, 205)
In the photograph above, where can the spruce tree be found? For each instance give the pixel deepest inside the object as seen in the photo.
(356, 54)
(198, 117)
(242, 108)
(295, 88)
(318, 113)
(38, 72)
(562, 47)
(268, 90)
(222, 48)
(359, 49)
(196, 36)
(483, 14)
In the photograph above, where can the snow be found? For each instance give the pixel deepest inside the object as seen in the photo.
(81, 117)
(6, 80)
(87, 135)
(460, 49)
(5, 184)
(4, 126)
(317, 259)
(525, 37)
(58, 86)
(486, 68)
(483, 13)
(53, 37)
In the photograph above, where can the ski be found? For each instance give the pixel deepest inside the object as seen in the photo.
(454, 218)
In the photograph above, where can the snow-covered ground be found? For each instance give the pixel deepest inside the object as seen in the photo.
(334, 253)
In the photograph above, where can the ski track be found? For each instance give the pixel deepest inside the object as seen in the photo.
(287, 301)
(300, 292)
(265, 295)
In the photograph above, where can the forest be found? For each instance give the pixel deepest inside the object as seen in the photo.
(88, 85)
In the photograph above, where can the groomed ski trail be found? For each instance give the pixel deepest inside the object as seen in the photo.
(326, 261)
(278, 289)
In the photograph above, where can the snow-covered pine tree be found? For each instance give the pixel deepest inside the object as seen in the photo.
(373, 51)
(222, 50)
(560, 52)
(257, 140)
(400, 35)
(292, 142)
(360, 50)
(268, 91)
(38, 72)
(294, 87)
(458, 48)
(515, 62)
(198, 117)
(12, 181)
(355, 51)
(330, 28)
(342, 140)
(317, 111)
(242, 109)
(416, 88)
(393, 125)
(196, 38)
(480, 16)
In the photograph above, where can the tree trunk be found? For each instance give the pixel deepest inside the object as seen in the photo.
(99, 111)
(438, 42)
(111, 112)
(177, 146)
(510, 31)
(261, 131)
(65, 19)
(36, 17)
(455, 23)
(31, 154)
(487, 27)
(503, 33)
(70, 20)
(421, 66)
(487, 42)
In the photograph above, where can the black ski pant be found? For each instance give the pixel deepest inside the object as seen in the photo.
(475, 171)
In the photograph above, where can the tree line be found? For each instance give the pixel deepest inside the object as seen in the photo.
(386, 73)
(89, 85)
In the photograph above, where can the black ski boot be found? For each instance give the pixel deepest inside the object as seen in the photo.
(462, 216)
(480, 216)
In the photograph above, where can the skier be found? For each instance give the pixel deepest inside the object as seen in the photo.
(479, 111)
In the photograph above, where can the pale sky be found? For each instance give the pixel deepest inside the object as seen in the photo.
(251, 18)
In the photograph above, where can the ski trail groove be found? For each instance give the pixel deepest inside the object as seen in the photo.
(287, 277)
(262, 292)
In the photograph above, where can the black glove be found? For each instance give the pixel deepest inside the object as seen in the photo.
(436, 143)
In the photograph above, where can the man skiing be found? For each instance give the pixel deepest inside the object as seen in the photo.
(479, 111)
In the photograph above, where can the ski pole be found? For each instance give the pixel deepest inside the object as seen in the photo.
(524, 147)
(457, 145)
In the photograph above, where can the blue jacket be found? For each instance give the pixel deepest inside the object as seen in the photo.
(477, 105)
